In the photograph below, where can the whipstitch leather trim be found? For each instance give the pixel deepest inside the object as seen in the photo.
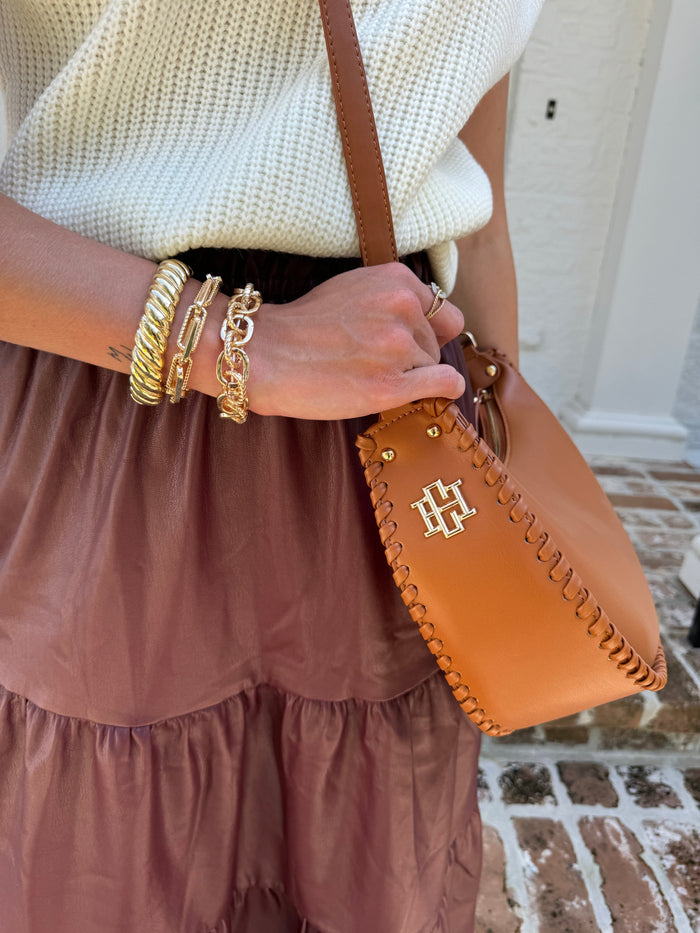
(600, 627)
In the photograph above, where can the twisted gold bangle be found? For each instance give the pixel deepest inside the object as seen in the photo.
(190, 332)
(148, 355)
(233, 365)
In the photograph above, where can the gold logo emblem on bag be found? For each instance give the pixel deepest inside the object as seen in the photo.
(450, 507)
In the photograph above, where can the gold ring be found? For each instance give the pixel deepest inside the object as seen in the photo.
(438, 301)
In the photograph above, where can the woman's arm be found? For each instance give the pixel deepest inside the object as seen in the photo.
(352, 346)
(486, 289)
(70, 295)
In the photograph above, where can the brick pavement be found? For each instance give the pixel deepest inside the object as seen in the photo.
(592, 823)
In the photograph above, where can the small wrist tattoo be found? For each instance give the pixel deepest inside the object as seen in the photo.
(120, 353)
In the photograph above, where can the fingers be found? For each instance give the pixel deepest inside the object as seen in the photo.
(440, 380)
(439, 299)
(445, 324)
(446, 319)
(428, 378)
(418, 300)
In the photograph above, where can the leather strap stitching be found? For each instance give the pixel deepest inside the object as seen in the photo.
(387, 234)
(343, 126)
(374, 138)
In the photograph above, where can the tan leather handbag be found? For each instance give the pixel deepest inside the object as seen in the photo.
(506, 551)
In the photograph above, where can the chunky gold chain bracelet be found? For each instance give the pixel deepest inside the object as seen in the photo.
(233, 365)
(190, 332)
(148, 355)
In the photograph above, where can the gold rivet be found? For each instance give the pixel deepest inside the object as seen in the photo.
(434, 430)
(491, 370)
(388, 454)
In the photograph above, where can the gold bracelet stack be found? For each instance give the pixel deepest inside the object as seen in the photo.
(148, 356)
(233, 365)
(190, 332)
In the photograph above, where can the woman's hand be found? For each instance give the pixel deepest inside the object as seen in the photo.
(355, 345)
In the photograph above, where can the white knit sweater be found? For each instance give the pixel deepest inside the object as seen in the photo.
(161, 125)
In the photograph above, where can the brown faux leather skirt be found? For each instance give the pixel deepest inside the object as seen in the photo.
(215, 713)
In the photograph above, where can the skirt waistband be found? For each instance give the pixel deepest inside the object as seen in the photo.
(285, 276)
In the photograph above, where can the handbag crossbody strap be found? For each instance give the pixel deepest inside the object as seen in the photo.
(358, 132)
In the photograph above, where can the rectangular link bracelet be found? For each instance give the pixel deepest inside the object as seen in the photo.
(190, 332)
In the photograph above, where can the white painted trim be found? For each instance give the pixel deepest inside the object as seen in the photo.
(692, 456)
(624, 434)
(624, 196)
(650, 278)
(689, 574)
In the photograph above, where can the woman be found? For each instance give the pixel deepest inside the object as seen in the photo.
(216, 715)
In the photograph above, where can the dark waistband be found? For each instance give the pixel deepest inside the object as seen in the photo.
(280, 277)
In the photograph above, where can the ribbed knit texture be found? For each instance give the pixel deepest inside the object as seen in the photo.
(162, 125)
